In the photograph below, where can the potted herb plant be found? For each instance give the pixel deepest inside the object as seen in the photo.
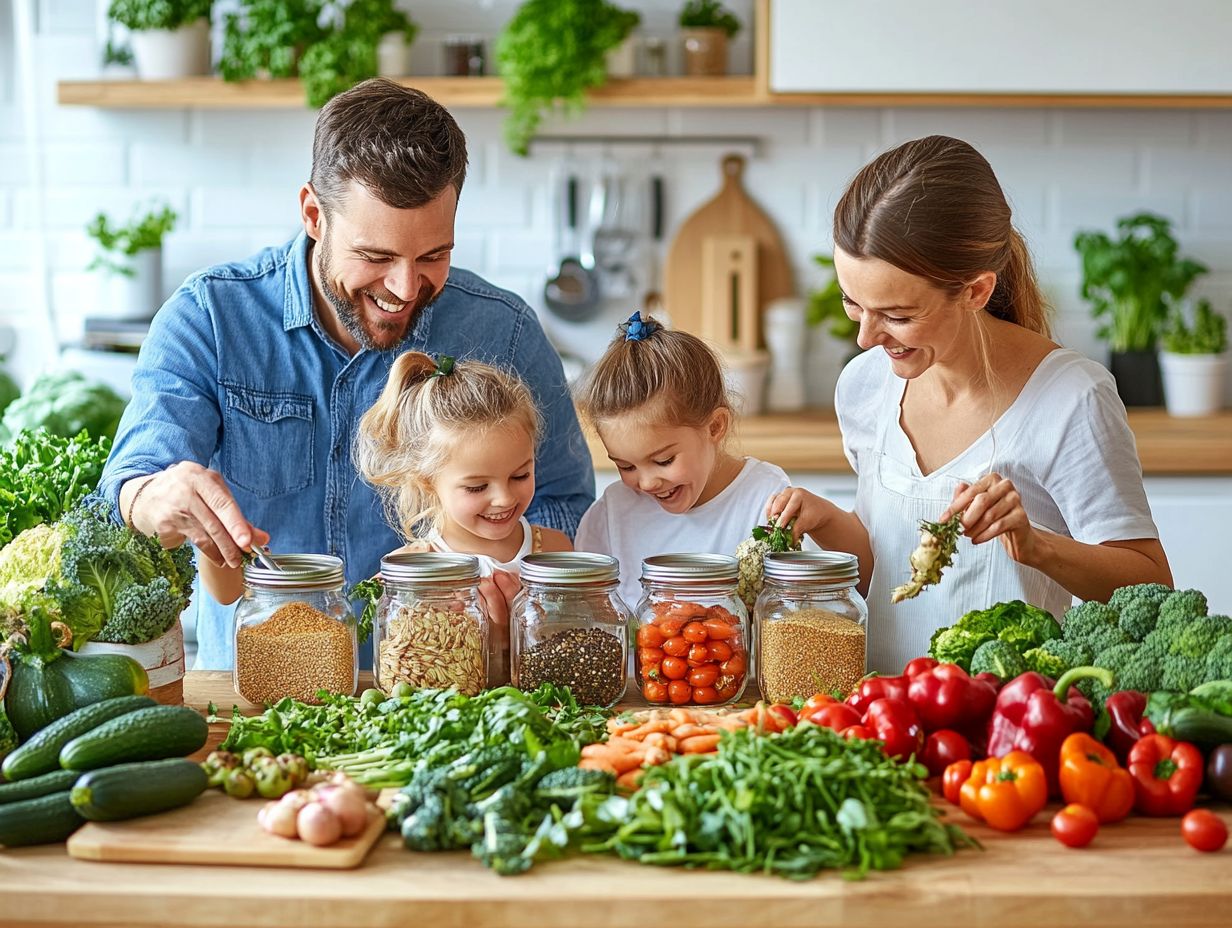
(117, 62)
(347, 54)
(265, 38)
(706, 26)
(1194, 362)
(170, 38)
(550, 54)
(1131, 281)
(130, 256)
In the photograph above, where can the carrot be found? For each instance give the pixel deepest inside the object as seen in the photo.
(682, 732)
(660, 740)
(619, 726)
(650, 727)
(656, 756)
(630, 779)
(593, 763)
(699, 744)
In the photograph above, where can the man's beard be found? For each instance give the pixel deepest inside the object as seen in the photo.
(372, 336)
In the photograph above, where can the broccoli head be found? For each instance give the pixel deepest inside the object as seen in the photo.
(956, 645)
(1138, 606)
(1200, 635)
(1056, 656)
(998, 657)
(1095, 692)
(572, 782)
(142, 613)
(1142, 670)
(1219, 661)
(1042, 662)
(1094, 624)
(1178, 608)
(1182, 674)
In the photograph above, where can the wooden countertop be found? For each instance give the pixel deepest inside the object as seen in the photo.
(810, 442)
(1137, 873)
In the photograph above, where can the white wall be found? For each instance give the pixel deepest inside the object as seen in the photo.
(234, 175)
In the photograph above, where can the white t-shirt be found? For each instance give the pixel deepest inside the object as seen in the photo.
(488, 564)
(632, 526)
(1064, 442)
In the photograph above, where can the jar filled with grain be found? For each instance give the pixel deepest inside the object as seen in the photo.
(692, 631)
(431, 629)
(810, 624)
(294, 631)
(570, 627)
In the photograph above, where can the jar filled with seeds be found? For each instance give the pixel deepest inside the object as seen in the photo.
(692, 631)
(811, 625)
(294, 631)
(570, 627)
(431, 629)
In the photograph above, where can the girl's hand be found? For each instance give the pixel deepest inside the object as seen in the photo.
(497, 593)
(992, 508)
(809, 510)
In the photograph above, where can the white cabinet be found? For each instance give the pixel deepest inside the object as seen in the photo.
(961, 46)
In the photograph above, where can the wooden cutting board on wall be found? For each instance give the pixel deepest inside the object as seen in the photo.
(730, 212)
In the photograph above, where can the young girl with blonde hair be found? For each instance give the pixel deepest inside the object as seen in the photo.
(658, 403)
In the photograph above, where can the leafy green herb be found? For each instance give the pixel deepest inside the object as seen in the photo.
(120, 242)
(269, 36)
(42, 476)
(369, 592)
(144, 15)
(935, 552)
(1207, 335)
(709, 14)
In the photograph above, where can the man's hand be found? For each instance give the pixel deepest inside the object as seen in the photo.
(187, 502)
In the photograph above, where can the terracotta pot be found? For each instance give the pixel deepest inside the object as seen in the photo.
(162, 658)
(705, 52)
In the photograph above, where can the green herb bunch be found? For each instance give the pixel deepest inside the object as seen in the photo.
(346, 54)
(1207, 335)
(550, 54)
(43, 476)
(120, 242)
(143, 15)
(826, 305)
(1131, 281)
(269, 36)
(709, 14)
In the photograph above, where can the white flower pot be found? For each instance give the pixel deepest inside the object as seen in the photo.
(1193, 383)
(137, 297)
(162, 658)
(393, 56)
(167, 54)
(784, 327)
(621, 61)
(746, 381)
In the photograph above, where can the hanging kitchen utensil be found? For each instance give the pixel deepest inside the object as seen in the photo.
(573, 294)
(730, 212)
(615, 236)
(652, 302)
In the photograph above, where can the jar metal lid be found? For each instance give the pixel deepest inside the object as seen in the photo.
(296, 571)
(569, 567)
(815, 566)
(429, 567)
(689, 568)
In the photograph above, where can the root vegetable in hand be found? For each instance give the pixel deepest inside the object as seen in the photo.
(938, 542)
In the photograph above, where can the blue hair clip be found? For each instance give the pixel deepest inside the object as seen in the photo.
(636, 330)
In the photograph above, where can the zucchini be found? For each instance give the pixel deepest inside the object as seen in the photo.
(147, 734)
(56, 782)
(41, 754)
(45, 820)
(1203, 727)
(130, 790)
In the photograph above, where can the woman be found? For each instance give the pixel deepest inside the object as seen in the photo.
(962, 403)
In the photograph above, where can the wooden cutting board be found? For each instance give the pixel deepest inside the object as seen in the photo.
(730, 212)
(215, 829)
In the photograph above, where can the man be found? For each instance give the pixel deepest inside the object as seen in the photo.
(254, 376)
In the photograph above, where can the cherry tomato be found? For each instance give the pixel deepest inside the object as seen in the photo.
(698, 654)
(718, 630)
(1075, 825)
(695, 633)
(942, 748)
(857, 731)
(704, 676)
(718, 613)
(727, 687)
(956, 774)
(1203, 830)
(674, 668)
(648, 656)
(671, 627)
(786, 713)
(654, 691)
(676, 646)
(704, 695)
(649, 636)
(836, 715)
(679, 692)
(734, 666)
(816, 701)
(719, 651)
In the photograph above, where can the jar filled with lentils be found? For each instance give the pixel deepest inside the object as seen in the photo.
(294, 631)
(431, 630)
(692, 631)
(570, 627)
(811, 625)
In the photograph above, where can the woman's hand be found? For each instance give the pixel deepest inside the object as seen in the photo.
(991, 508)
(809, 510)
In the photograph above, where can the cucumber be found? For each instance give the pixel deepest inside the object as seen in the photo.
(41, 754)
(1203, 727)
(55, 782)
(46, 820)
(130, 790)
(147, 734)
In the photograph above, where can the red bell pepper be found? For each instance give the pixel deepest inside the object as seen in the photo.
(873, 688)
(1167, 775)
(946, 696)
(919, 665)
(837, 715)
(1034, 716)
(1127, 722)
(894, 722)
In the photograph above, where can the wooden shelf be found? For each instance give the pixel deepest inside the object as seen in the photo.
(733, 92)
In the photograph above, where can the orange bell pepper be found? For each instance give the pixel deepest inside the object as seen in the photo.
(1091, 777)
(1006, 792)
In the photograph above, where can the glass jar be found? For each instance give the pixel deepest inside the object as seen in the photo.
(294, 631)
(811, 625)
(464, 56)
(430, 629)
(570, 626)
(692, 631)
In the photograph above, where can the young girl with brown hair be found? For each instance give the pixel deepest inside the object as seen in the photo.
(659, 405)
(963, 403)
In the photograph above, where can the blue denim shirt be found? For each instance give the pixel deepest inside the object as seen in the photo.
(238, 375)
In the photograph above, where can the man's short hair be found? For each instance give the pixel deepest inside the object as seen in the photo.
(402, 145)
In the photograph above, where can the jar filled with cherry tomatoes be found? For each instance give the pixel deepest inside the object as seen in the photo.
(692, 631)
